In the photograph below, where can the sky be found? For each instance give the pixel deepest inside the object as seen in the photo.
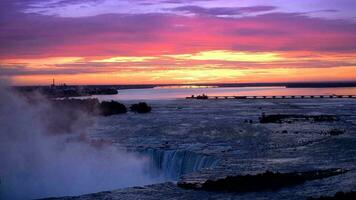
(177, 41)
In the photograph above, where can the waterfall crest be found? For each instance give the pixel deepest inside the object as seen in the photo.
(172, 164)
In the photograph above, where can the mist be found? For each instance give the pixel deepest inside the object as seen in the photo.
(45, 152)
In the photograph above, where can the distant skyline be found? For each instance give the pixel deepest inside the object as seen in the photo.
(177, 41)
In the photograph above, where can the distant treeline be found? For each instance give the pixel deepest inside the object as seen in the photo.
(112, 89)
(288, 85)
(67, 91)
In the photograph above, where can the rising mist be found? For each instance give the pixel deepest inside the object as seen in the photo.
(45, 152)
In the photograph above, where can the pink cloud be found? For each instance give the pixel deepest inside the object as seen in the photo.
(149, 34)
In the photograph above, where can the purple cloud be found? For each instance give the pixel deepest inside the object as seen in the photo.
(223, 10)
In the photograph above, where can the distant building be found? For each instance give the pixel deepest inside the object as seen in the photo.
(53, 83)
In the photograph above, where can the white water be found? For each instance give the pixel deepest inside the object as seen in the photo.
(172, 164)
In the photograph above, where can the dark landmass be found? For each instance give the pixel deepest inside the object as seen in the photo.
(141, 107)
(261, 182)
(61, 91)
(94, 107)
(338, 196)
(288, 85)
(108, 89)
(67, 91)
(108, 108)
(335, 132)
(320, 85)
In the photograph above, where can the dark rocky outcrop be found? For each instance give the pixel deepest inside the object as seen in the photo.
(141, 107)
(108, 108)
(335, 132)
(261, 182)
(338, 196)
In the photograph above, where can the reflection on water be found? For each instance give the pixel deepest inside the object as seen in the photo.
(166, 93)
(184, 86)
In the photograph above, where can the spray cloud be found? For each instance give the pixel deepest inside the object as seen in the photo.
(39, 158)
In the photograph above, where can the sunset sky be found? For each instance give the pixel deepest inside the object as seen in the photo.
(177, 41)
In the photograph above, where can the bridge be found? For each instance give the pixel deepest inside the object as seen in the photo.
(202, 97)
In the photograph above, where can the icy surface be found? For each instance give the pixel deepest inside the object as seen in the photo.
(193, 141)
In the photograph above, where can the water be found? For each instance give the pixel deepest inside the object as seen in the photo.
(170, 93)
(175, 163)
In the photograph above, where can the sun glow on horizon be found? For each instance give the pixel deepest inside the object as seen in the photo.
(198, 75)
(124, 59)
(109, 42)
(200, 67)
(224, 55)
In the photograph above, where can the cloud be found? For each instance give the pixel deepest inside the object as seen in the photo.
(214, 60)
(138, 41)
(223, 11)
(155, 34)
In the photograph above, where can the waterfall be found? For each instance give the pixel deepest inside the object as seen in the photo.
(172, 164)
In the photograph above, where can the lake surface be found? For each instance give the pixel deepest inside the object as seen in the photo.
(169, 93)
